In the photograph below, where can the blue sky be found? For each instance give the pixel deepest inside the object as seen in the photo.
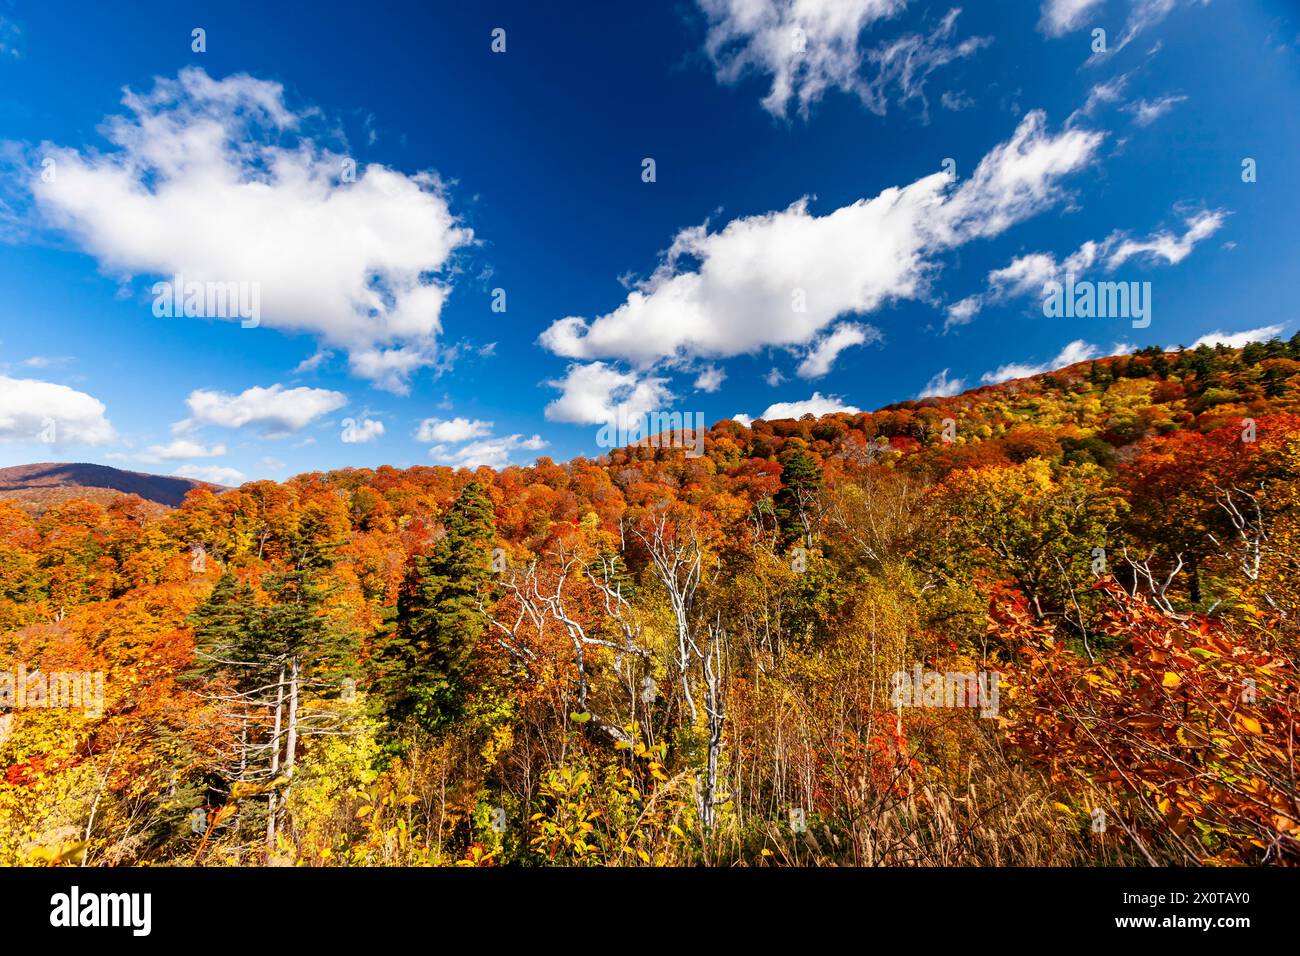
(802, 247)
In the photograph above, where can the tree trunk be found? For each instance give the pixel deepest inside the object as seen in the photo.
(291, 745)
(275, 763)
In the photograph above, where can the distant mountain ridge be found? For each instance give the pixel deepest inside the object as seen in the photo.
(37, 486)
(1089, 411)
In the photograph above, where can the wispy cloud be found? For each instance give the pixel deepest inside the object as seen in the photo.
(1236, 340)
(1076, 351)
(808, 47)
(941, 386)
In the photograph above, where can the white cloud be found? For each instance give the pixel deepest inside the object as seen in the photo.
(592, 394)
(1026, 275)
(1076, 351)
(275, 411)
(45, 361)
(810, 46)
(1164, 244)
(1236, 340)
(452, 430)
(180, 448)
(823, 353)
(1146, 112)
(774, 377)
(1101, 94)
(1065, 16)
(217, 474)
(32, 410)
(1060, 17)
(743, 419)
(360, 432)
(710, 379)
(312, 362)
(493, 452)
(218, 181)
(961, 313)
(10, 38)
(956, 102)
(941, 386)
(736, 291)
(817, 405)
(1144, 14)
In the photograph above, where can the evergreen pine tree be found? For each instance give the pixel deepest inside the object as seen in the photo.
(438, 622)
(801, 479)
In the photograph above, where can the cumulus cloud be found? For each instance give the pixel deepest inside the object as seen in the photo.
(1236, 340)
(817, 405)
(493, 452)
(810, 46)
(710, 379)
(941, 386)
(452, 430)
(592, 394)
(823, 353)
(217, 474)
(744, 419)
(32, 410)
(360, 432)
(275, 411)
(218, 180)
(781, 278)
(1076, 351)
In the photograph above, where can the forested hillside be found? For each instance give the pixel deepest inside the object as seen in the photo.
(656, 659)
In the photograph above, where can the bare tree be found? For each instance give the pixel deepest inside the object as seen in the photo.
(1252, 540)
(678, 560)
(541, 595)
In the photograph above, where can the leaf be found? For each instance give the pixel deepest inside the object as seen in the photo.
(1171, 680)
(1249, 724)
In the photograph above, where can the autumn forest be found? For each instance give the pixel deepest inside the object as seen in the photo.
(1047, 622)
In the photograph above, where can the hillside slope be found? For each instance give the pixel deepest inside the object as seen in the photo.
(37, 486)
(959, 631)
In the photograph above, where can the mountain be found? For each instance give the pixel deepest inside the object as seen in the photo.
(36, 487)
(991, 600)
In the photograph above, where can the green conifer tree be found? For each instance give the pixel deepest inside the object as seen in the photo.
(438, 621)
